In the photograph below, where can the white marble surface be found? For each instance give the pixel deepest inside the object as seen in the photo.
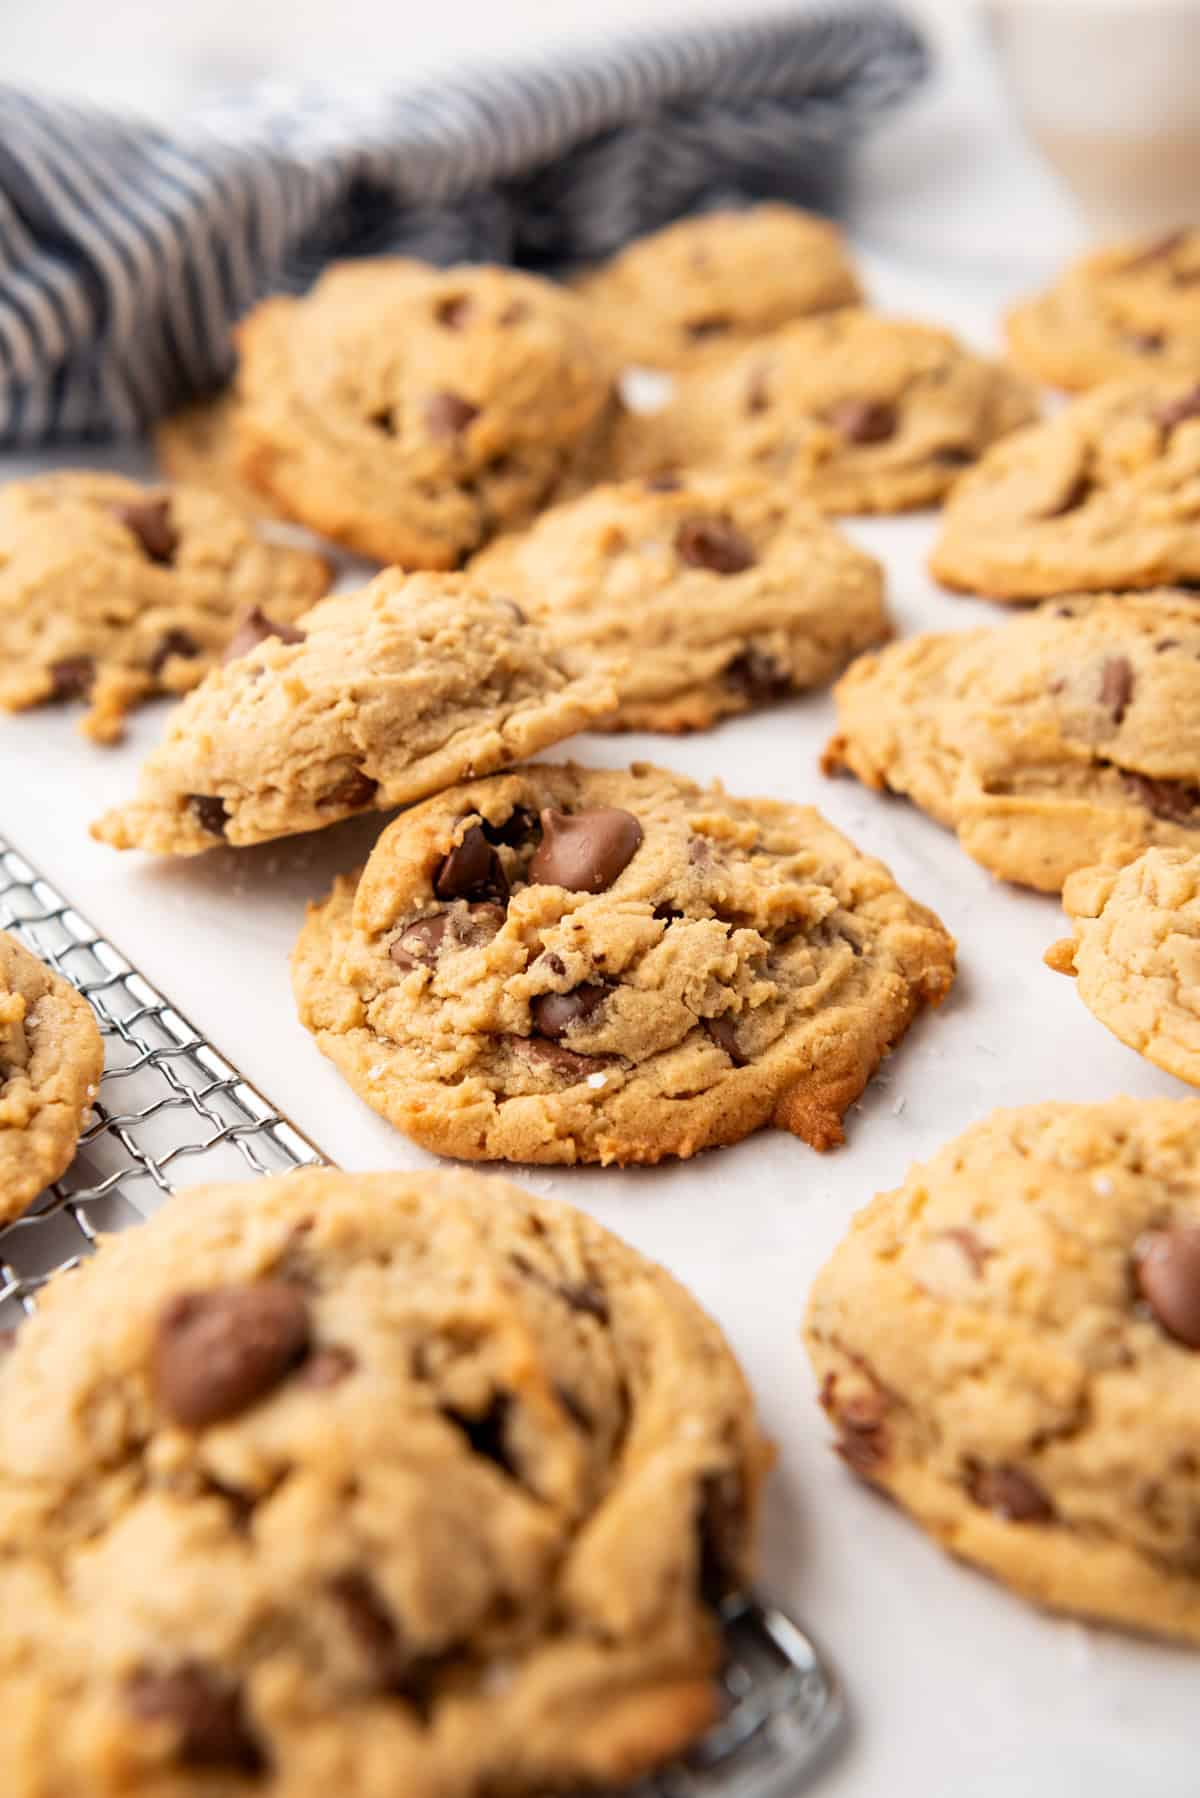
(955, 1686)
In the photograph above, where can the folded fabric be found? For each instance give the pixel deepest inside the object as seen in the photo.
(128, 251)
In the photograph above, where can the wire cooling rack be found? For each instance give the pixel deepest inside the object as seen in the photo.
(171, 1112)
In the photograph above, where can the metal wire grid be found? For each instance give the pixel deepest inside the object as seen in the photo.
(171, 1112)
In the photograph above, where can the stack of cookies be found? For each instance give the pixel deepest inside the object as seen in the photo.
(414, 1482)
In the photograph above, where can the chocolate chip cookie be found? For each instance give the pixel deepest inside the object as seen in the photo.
(375, 699)
(707, 284)
(199, 445)
(111, 591)
(572, 964)
(383, 1483)
(857, 412)
(51, 1059)
(705, 596)
(1126, 310)
(1069, 736)
(1105, 494)
(1136, 953)
(411, 414)
(1007, 1345)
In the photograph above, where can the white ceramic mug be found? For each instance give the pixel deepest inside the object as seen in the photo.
(1110, 92)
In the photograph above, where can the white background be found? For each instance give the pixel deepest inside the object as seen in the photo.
(955, 1686)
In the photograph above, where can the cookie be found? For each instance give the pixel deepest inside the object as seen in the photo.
(570, 964)
(1103, 495)
(411, 414)
(706, 285)
(1067, 737)
(705, 597)
(382, 1483)
(51, 1059)
(1007, 1345)
(378, 698)
(1136, 953)
(859, 413)
(1127, 310)
(199, 445)
(111, 591)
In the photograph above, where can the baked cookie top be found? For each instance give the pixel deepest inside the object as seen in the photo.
(1105, 494)
(199, 445)
(860, 413)
(51, 1059)
(1069, 736)
(1136, 953)
(706, 595)
(111, 591)
(378, 698)
(1007, 1344)
(568, 964)
(413, 413)
(1133, 308)
(705, 285)
(407, 1482)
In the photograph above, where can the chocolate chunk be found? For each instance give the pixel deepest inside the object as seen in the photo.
(712, 324)
(518, 829)
(1168, 1277)
(487, 1431)
(1174, 412)
(584, 851)
(327, 1366)
(210, 813)
(563, 1061)
(216, 1353)
(721, 1534)
(667, 914)
(724, 1034)
(663, 483)
(418, 943)
(204, 1711)
(715, 544)
(1010, 1493)
(454, 312)
(355, 790)
(72, 677)
(150, 522)
(1116, 686)
(448, 414)
(554, 1013)
(471, 868)
(1157, 249)
(863, 421)
(372, 1626)
(383, 421)
(1174, 801)
(757, 675)
(254, 628)
(173, 643)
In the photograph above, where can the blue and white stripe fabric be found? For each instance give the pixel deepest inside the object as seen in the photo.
(127, 252)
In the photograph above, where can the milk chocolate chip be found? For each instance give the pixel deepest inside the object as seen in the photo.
(1174, 801)
(554, 1013)
(863, 421)
(72, 677)
(1010, 1493)
(454, 312)
(173, 643)
(1116, 686)
(1168, 1278)
(216, 1353)
(254, 628)
(150, 522)
(713, 324)
(715, 544)
(472, 867)
(354, 790)
(448, 414)
(418, 943)
(204, 1712)
(584, 851)
(210, 813)
(724, 1034)
(757, 675)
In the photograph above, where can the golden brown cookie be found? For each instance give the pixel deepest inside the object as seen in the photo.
(111, 591)
(1130, 309)
(1105, 494)
(51, 1059)
(385, 1483)
(199, 445)
(567, 964)
(411, 413)
(1136, 953)
(376, 699)
(859, 413)
(1070, 735)
(1008, 1346)
(706, 596)
(705, 285)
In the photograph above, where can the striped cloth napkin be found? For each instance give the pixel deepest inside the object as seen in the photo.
(127, 251)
